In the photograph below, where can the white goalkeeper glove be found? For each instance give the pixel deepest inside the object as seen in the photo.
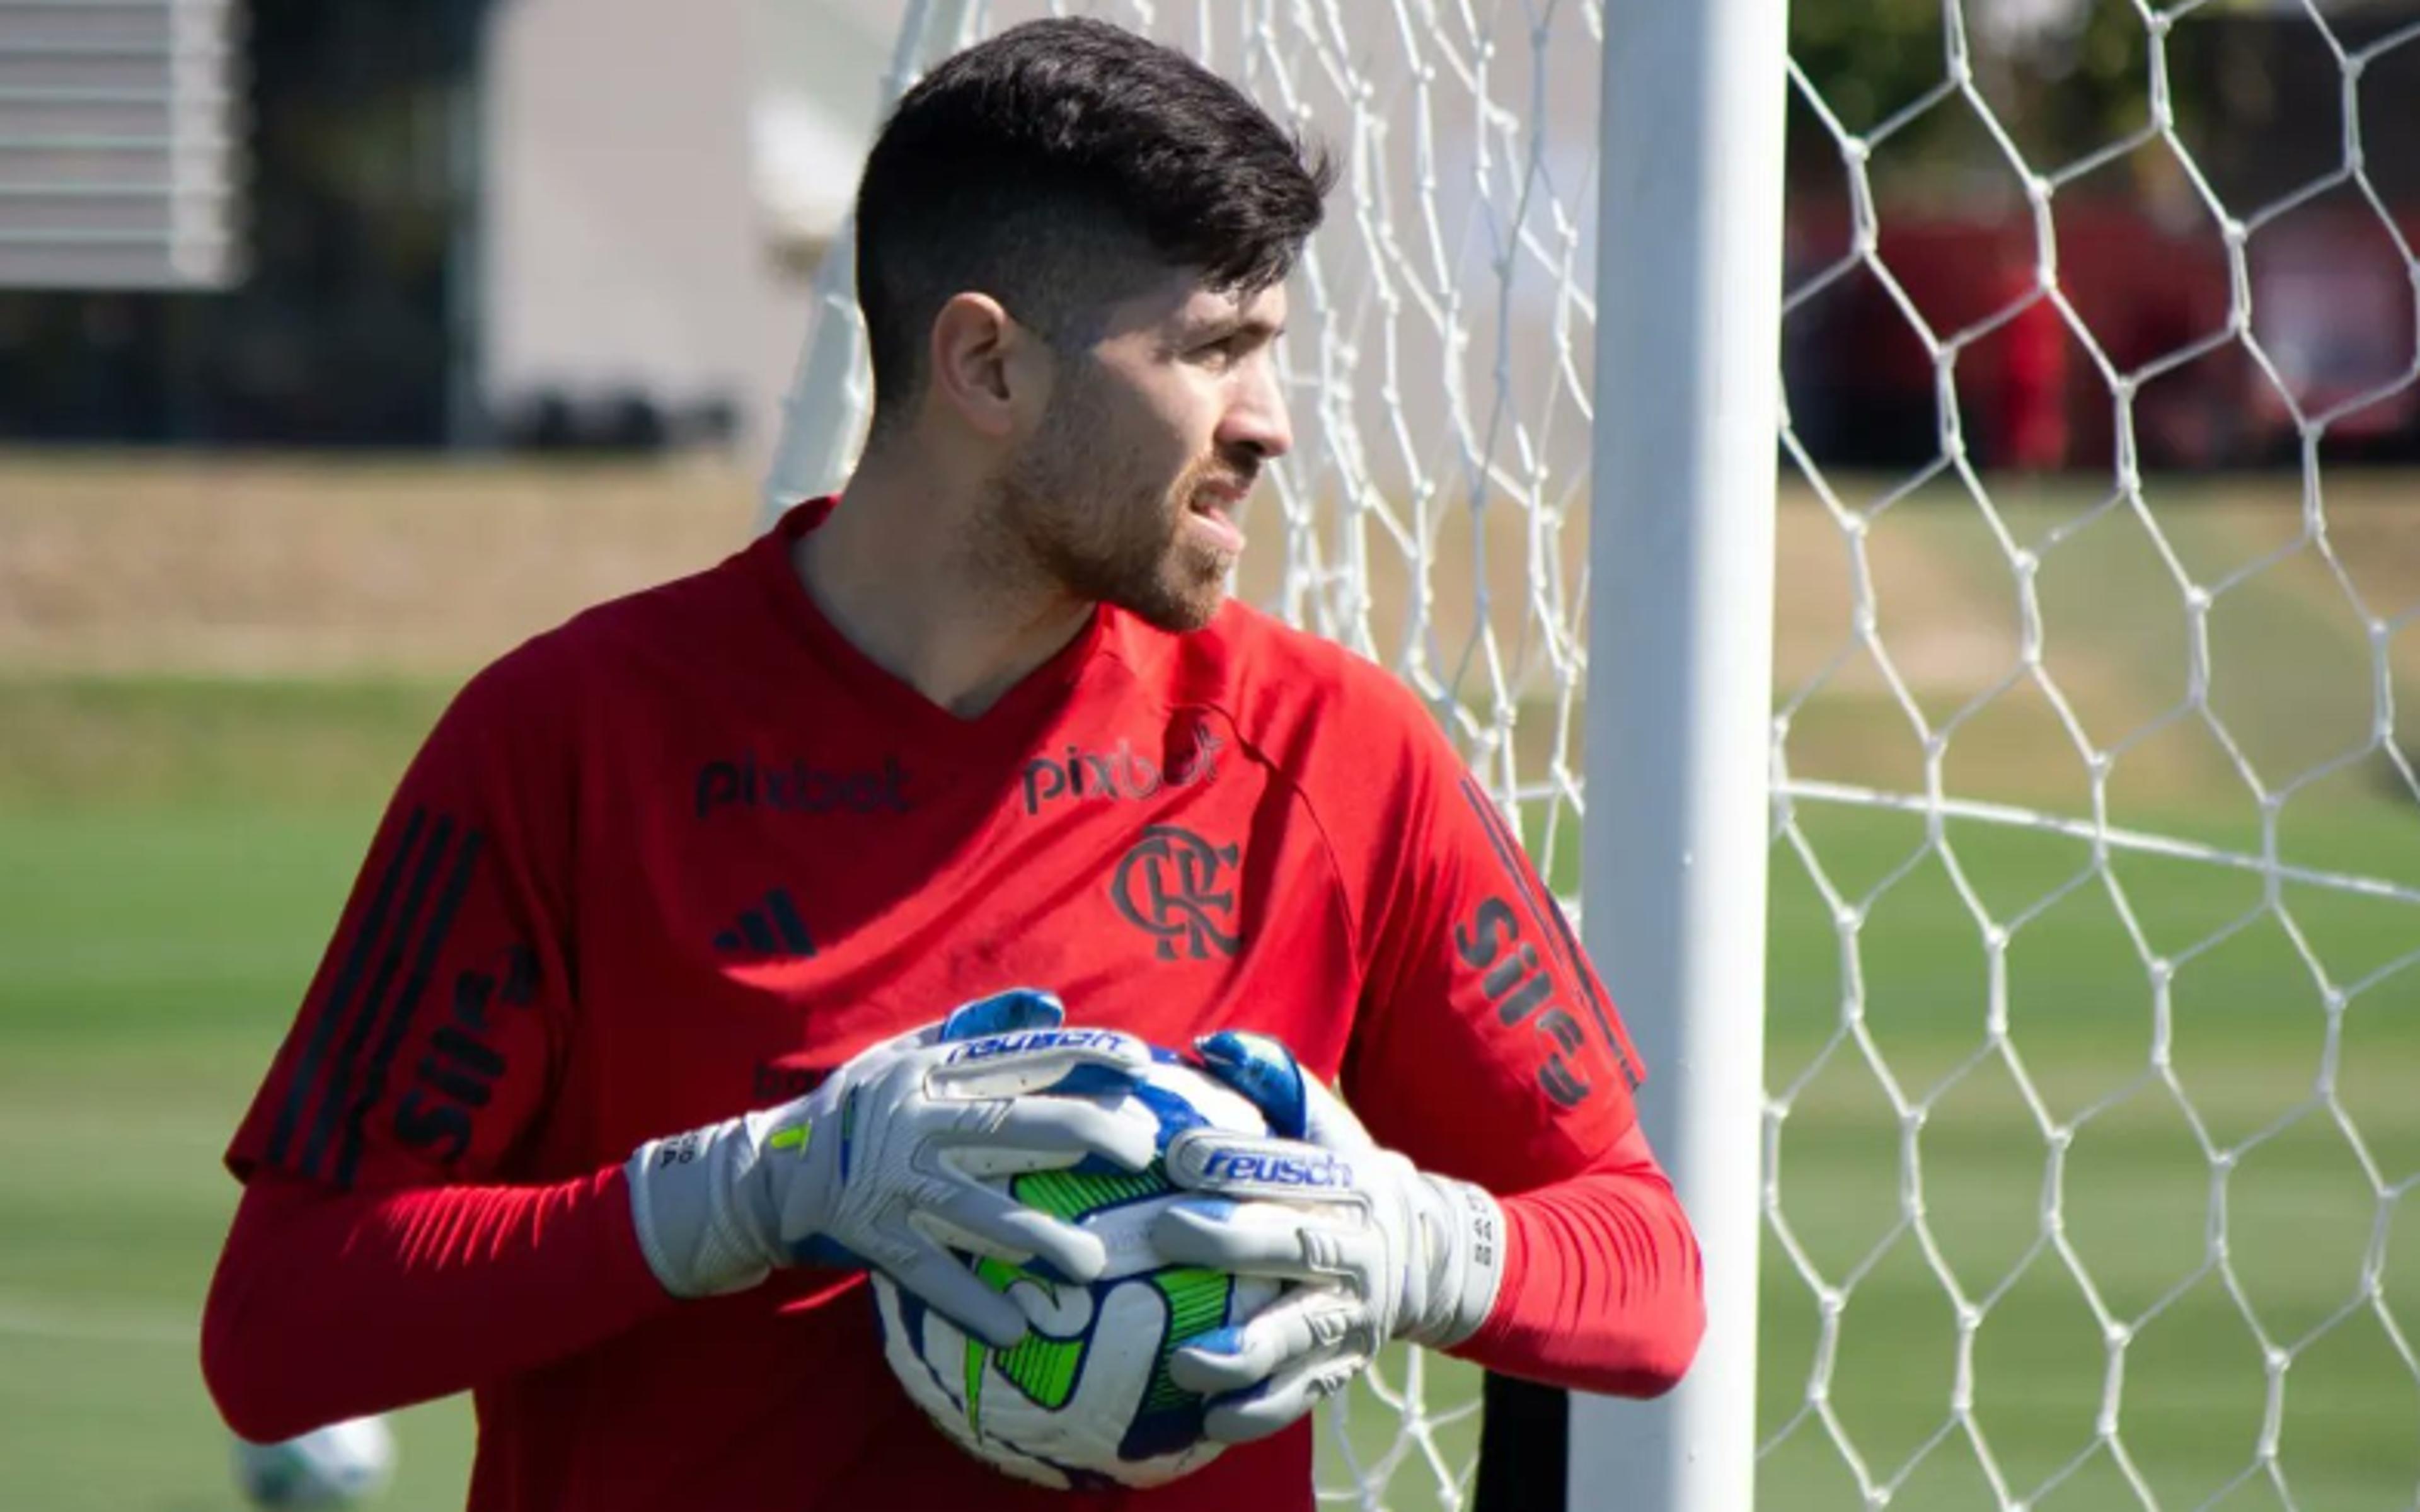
(882, 1165)
(1389, 1252)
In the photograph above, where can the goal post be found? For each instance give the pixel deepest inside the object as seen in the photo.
(1679, 691)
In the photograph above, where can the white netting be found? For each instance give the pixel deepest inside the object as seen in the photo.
(2095, 946)
(2096, 1008)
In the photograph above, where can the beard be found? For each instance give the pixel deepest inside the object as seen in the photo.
(1103, 523)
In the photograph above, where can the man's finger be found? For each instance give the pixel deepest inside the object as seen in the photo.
(989, 1222)
(994, 1138)
(1282, 1401)
(1309, 1320)
(1019, 1007)
(953, 1291)
(1232, 1360)
(1263, 1238)
(1296, 1104)
(1263, 1069)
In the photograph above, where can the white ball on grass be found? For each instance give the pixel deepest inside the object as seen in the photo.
(341, 1465)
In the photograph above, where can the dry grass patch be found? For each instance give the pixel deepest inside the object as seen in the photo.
(201, 564)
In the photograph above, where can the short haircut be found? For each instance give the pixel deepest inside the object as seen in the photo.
(1057, 167)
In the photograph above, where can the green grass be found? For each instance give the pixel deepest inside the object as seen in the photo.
(153, 956)
(2250, 1039)
(136, 743)
(161, 908)
(172, 857)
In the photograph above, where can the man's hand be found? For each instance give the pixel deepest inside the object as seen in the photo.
(1388, 1251)
(882, 1165)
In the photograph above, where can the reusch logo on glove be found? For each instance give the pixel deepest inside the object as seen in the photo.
(1029, 1040)
(1239, 1165)
(1198, 1159)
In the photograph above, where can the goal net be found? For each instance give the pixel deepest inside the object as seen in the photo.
(2094, 947)
(2095, 996)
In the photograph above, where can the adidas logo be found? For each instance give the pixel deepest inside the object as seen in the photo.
(775, 928)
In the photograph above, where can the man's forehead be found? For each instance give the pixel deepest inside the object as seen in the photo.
(1182, 299)
(1266, 305)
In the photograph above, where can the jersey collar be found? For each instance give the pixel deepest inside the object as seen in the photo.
(1010, 724)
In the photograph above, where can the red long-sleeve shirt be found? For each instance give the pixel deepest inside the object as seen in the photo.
(693, 850)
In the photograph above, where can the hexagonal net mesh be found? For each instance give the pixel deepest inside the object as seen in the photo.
(2096, 925)
(2094, 941)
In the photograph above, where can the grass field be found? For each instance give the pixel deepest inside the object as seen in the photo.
(172, 850)
(151, 952)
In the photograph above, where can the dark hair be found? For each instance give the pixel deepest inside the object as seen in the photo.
(1053, 166)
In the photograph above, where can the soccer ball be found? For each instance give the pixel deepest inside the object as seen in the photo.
(1084, 1401)
(340, 1465)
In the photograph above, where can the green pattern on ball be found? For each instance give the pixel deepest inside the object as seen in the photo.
(1044, 1368)
(1197, 1303)
(1071, 1195)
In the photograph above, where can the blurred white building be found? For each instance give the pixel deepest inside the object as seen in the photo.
(657, 184)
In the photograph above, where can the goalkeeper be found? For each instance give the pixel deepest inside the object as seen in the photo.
(634, 1046)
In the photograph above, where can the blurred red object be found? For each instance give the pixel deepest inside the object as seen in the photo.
(2331, 307)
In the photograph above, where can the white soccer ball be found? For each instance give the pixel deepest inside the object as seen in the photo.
(1085, 1401)
(343, 1464)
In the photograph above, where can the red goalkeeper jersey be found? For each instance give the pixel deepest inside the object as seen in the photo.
(687, 854)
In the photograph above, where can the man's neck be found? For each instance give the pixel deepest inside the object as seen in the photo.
(900, 569)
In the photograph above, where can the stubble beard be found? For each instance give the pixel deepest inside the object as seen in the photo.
(1097, 527)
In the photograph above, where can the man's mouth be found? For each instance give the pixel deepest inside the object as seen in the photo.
(1213, 507)
(1221, 494)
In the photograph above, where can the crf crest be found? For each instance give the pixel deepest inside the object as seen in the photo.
(1180, 889)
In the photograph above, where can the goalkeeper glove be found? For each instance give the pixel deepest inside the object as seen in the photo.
(881, 1166)
(1387, 1251)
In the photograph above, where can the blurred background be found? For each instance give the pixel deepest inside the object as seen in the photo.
(532, 225)
(343, 344)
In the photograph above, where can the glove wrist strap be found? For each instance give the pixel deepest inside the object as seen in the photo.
(686, 1197)
(1464, 1238)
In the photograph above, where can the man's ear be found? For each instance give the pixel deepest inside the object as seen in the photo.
(984, 368)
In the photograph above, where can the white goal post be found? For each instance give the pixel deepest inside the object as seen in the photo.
(1680, 679)
(2002, 821)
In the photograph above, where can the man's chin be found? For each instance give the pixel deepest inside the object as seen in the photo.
(1182, 592)
(1182, 617)
(1179, 610)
